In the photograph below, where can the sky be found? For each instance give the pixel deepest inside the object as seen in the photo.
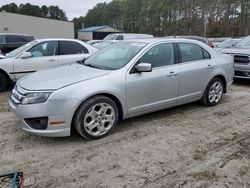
(73, 8)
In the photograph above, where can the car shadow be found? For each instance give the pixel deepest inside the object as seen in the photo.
(129, 124)
(241, 82)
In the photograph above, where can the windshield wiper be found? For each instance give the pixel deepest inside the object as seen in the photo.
(81, 61)
(90, 65)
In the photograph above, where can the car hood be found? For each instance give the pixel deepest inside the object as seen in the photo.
(236, 51)
(58, 77)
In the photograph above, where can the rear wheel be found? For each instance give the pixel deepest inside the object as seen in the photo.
(96, 117)
(213, 92)
(3, 82)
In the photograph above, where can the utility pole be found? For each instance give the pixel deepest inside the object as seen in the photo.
(205, 25)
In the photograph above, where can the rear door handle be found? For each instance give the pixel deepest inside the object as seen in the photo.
(210, 67)
(52, 60)
(172, 74)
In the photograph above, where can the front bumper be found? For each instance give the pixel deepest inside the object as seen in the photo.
(56, 110)
(242, 70)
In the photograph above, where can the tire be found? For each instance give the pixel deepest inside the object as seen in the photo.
(3, 82)
(213, 92)
(96, 117)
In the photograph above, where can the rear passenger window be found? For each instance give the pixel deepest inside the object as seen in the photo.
(160, 55)
(69, 47)
(192, 52)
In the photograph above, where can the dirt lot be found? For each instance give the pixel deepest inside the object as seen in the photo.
(186, 146)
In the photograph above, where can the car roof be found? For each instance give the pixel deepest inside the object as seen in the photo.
(129, 34)
(56, 39)
(162, 39)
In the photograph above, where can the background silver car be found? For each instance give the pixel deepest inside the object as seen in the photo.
(241, 54)
(126, 79)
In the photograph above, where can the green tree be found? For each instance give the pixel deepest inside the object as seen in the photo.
(53, 12)
(12, 7)
(78, 24)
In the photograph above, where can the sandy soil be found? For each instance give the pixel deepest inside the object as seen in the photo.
(186, 146)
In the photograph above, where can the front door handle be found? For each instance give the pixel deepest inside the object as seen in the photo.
(172, 74)
(210, 66)
(52, 60)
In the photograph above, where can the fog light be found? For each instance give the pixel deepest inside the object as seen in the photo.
(37, 123)
(247, 74)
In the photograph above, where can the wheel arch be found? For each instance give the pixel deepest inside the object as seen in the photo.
(111, 96)
(224, 82)
(5, 74)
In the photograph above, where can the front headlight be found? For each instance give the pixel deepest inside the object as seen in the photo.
(33, 98)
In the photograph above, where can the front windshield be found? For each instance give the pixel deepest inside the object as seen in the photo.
(19, 50)
(115, 56)
(110, 37)
(244, 43)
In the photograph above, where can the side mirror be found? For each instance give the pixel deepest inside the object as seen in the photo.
(25, 55)
(81, 61)
(144, 67)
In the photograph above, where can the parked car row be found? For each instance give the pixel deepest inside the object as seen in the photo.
(123, 80)
(41, 54)
(228, 43)
(113, 38)
(198, 38)
(241, 55)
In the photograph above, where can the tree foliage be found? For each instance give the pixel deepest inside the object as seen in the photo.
(53, 12)
(214, 18)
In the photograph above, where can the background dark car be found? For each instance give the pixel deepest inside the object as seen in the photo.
(201, 39)
(9, 42)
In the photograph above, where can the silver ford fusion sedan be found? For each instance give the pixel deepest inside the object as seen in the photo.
(126, 79)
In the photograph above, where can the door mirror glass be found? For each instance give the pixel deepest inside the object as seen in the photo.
(144, 67)
(25, 55)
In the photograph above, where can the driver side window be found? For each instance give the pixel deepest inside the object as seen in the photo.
(160, 55)
(44, 49)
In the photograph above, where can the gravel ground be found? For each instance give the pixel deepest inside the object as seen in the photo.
(187, 146)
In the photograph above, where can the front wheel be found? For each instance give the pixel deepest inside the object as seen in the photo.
(213, 92)
(96, 117)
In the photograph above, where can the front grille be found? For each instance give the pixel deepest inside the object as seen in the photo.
(238, 73)
(16, 97)
(241, 59)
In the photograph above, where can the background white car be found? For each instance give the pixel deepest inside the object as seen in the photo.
(41, 54)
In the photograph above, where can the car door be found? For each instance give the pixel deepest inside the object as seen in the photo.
(71, 52)
(43, 56)
(196, 68)
(149, 91)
